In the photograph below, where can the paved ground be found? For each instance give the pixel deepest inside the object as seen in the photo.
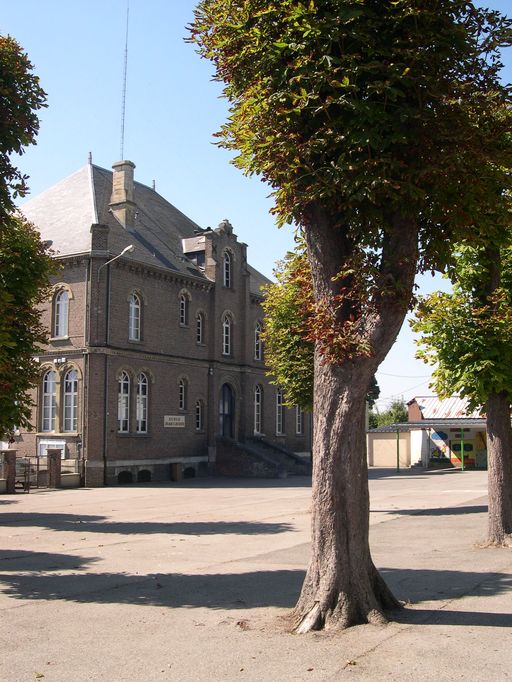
(188, 581)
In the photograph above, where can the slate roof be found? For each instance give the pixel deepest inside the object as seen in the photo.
(65, 212)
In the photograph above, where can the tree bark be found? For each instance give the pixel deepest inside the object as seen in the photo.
(499, 454)
(342, 587)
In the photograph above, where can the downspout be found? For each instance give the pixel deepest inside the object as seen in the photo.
(105, 376)
(85, 390)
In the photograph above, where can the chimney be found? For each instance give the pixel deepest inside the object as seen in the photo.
(122, 200)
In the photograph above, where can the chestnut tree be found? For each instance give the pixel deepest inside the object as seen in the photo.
(374, 123)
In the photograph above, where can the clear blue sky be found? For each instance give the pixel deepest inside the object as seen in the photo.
(172, 110)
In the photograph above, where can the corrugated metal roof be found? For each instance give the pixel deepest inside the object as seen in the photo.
(455, 407)
(434, 424)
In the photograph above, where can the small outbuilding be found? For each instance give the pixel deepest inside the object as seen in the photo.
(438, 434)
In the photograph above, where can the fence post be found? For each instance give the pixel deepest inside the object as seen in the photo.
(9, 457)
(54, 467)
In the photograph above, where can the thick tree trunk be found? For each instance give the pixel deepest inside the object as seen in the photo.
(499, 453)
(342, 586)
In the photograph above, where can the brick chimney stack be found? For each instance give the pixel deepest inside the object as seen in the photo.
(122, 200)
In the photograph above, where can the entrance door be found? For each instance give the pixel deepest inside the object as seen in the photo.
(226, 411)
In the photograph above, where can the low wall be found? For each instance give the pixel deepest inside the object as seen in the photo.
(70, 480)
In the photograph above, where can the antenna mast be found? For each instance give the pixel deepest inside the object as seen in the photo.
(123, 105)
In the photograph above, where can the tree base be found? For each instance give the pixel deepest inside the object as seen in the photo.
(504, 541)
(343, 611)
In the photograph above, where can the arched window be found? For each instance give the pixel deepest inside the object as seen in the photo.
(49, 414)
(227, 329)
(142, 404)
(71, 400)
(279, 412)
(134, 315)
(299, 420)
(182, 394)
(227, 269)
(183, 310)
(61, 313)
(123, 403)
(258, 408)
(200, 328)
(199, 415)
(258, 350)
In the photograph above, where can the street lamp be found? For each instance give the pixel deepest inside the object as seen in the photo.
(127, 249)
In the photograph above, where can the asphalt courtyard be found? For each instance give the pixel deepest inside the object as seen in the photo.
(191, 580)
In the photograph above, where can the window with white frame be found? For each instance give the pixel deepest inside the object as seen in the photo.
(142, 404)
(123, 403)
(227, 269)
(49, 403)
(200, 328)
(199, 415)
(299, 420)
(182, 394)
(227, 331)
(279, 412)
(134, 317)
(71, 400)
(258, 407)
(258, 350)
(61, 313)
(184, 310)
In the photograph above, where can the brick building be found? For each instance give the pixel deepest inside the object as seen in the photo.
(155, 365)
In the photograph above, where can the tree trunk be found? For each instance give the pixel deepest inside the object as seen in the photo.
(342, 586)
(499, 453)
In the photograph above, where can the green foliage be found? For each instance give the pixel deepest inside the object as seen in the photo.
(396, 413)
(20, 97)
(288, 351)
(289, 332)
(467, 334)
(25, 268)
(364, 108)
(24, 264)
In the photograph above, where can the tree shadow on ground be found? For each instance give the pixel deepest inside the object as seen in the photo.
(221, 483)
(20, 560)
(176, 590)
(436, 511)
(414, 585)
(231, 591)
(420, 473)
(102, 524)
(414, 616)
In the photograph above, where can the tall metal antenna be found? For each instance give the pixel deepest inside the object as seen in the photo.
(123, 106)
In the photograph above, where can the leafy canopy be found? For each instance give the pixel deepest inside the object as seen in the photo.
(288, 348)
(25, 268)
(291, 330)
(363, 107)
(467, 334)
(396, 413)
(20, 97)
